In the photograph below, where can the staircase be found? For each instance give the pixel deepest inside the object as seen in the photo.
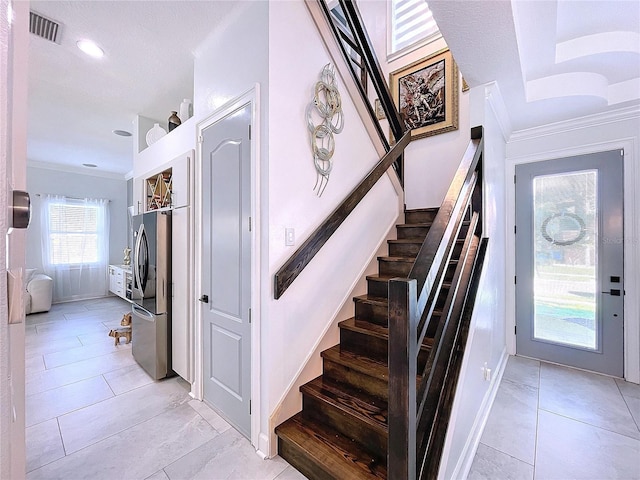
(342, 430)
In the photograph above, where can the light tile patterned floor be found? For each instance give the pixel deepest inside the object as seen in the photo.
(93, 413)
(554, 423)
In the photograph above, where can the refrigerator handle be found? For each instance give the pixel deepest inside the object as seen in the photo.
(141, 312)
(136, 264)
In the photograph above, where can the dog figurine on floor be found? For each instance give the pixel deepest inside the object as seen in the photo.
(125, 332)
(121, 332)
(126, 320)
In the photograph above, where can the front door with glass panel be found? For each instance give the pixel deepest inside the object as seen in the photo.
(569, 261)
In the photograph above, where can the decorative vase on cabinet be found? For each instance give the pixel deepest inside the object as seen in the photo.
(186, 110)
(174, 121)
(154, 134)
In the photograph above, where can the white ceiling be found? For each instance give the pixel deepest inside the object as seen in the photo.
(75, 101)
(554, 60)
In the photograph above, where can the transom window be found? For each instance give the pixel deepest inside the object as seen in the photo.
(411, 26)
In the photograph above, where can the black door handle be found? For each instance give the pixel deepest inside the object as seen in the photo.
(204, 298)
(614, 292)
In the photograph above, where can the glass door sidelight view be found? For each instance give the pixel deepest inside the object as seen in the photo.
(569, 261)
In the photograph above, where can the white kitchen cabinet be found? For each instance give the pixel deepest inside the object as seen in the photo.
(168, 186)
(181, 193)
(174, 154)
(181, 289)
(119, 280)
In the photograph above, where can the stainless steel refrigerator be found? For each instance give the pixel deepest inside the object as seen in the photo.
(151, 293)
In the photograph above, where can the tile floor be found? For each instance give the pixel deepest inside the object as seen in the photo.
(93, 413)
(554, 423)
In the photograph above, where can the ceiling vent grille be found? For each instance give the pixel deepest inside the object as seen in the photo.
(44, 27)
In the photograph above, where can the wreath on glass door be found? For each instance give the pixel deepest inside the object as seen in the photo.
(557, 220)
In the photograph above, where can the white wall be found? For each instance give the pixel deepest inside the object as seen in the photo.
(231, 62)
(486, 341)
(619, 129)
(44, 180)
(430, 163)
(294, 324)
(13, 131)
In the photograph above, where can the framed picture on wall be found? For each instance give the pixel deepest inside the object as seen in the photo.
(380, 115)
(426, 94)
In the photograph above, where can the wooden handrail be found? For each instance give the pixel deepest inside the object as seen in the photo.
(413, 407)
(357, 39)
(303, 255)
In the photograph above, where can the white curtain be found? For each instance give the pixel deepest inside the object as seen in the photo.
(75, 246)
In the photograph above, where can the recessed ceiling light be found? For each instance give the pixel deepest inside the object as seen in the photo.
(90, 48)
(122, 133)
(90, 165)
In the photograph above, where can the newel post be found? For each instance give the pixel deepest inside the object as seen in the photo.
(403, 348)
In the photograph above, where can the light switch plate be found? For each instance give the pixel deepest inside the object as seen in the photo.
(289, 237)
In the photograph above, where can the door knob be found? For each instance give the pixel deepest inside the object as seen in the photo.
(204, 298)
(20, 215)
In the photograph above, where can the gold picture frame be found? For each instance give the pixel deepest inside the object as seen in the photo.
(426, 94)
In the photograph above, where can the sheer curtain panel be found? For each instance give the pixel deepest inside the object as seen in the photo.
(75, 246)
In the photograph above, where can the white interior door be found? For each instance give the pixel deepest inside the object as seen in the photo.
(13, 122)
(226, 266)
(569, 261)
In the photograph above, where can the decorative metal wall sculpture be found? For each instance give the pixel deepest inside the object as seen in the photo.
(327, 105)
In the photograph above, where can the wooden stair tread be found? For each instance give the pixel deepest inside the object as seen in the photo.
(403, 241)
(381, 301)
(335, 454)
(380, 278)
(366, 408)
(414, 225)
(374, 329)
(369, 328)
(398, 259)
(417, 210)
(373, 368)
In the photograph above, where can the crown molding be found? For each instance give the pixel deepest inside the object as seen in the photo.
(75, 170)
(613, 116)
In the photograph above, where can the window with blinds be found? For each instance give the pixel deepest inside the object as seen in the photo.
(73, 234)
(412, 25)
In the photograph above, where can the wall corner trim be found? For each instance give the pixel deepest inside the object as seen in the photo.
(494, 99)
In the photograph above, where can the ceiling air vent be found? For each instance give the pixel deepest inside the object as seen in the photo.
(44, 27)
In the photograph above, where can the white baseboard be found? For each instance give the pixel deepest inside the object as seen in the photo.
(263, 446)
